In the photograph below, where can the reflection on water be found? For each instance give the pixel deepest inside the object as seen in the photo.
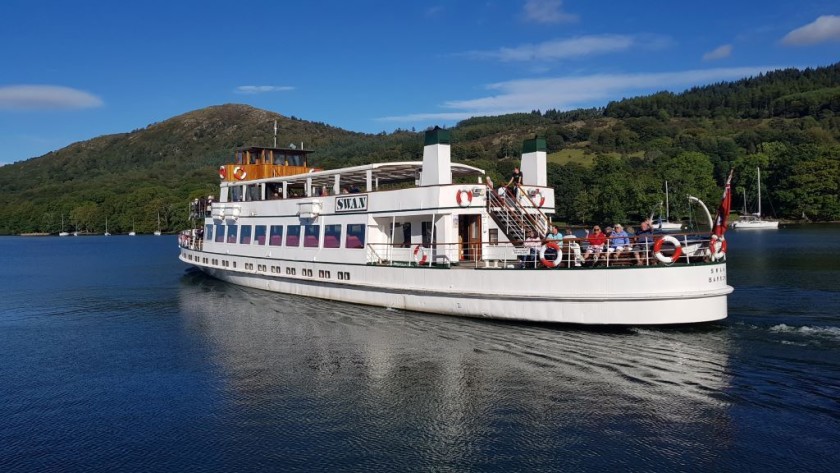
(465, 393)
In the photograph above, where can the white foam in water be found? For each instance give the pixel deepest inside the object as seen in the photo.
(833, 332)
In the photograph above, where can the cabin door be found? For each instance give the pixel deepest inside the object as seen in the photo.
(469, 237)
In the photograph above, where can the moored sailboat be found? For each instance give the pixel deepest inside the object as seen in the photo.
(755, 221)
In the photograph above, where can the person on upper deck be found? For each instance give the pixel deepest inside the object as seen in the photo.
(643, 239)
(596, 241)
(620, 241)
(514, 182)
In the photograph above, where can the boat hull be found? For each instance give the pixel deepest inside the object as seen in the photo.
(591, 296)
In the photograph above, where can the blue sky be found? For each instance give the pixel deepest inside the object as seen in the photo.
(75, 70)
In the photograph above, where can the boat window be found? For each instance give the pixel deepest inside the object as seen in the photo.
(295, 160)
(427, 234)
(235, 194)
(401, 235)
(231, 233)
(311, 236)
(259, 234)
(239, 157)
(276, 236)
(493, 236)
(293, 236)
(220, 233)
(208, 232)
(355, 236)
(279, 159)
(245, 235)
(332, 236)
(254, 192)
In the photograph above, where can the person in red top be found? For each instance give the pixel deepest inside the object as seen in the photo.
(596, 241)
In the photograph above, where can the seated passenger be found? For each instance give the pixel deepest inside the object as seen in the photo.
(643, 239)
(533, 244)
(573, 246)
(554, 234)
(596, 241)
(620, 242)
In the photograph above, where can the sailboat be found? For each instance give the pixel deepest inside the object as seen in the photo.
(106, 227)
(157, 232)
(667, 225)
(61, 231)
(754, 221)
(132, 232)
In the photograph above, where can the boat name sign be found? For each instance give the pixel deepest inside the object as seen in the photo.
(351, 204)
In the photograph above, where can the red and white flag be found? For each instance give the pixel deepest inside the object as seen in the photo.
(719, 227)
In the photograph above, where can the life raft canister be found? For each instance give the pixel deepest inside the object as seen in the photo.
(557, 260)
(538, 198)
(464, 197)
(239, 173)
(657, 249)
(420, 256)
(222, 172)
(717, 248)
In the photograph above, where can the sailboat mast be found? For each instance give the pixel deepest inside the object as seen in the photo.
(759, 191)
(667, 206)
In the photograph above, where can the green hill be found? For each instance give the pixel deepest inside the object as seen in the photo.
(606, 164)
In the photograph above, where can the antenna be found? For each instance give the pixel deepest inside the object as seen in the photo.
(275, 133)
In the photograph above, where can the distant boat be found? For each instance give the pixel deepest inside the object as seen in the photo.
(667, 225)
(132, 232)
(754, 221)
(61, 232)
(157, 232)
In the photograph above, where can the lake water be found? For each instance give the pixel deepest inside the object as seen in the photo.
(114, 357)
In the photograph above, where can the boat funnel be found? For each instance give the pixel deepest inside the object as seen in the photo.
(437, 158)
(533, 165)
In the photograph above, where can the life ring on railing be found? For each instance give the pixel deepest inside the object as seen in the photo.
(222, 172)
(420, 256)
(464, 197)
(538, 198)
(557, 260)
(657, 249)
(239, 173)
(717, 248)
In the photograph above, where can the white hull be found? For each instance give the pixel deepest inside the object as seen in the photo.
(756, 225)
(63, 234)
(595, 296)
(668, 226)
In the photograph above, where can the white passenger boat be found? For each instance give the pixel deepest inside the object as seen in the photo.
(431, 236)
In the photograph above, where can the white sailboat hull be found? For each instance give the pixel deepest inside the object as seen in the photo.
(755, 225)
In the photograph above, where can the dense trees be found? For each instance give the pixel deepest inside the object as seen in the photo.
(786, 122)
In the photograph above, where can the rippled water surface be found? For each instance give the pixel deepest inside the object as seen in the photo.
(115, 357)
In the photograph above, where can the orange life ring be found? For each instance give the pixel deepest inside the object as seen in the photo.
(539, 202)
(717, 248)
(556, 261)
(420, 256)
(657, 249)
(464, 201)
(239, 173)
(222, 172)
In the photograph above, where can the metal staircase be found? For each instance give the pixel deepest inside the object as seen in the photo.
(515, 220)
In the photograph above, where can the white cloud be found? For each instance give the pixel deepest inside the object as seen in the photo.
(45, 97)
(824, 28)
(573, 47)
(565, 93)
(262, 89)
(718, 53)
(547, 11)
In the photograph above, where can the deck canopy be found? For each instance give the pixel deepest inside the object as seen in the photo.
(381, 173)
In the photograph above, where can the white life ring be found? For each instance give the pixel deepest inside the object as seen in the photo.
(538, 198)
(464, 197)
(717, 248)
(420, 256)
(239, 173)
(557, 260)
(222, 172)
(657, 249)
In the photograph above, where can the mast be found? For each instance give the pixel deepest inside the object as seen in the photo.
(667, 206)
(758, 169)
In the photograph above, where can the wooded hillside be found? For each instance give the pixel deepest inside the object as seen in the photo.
(607, 165)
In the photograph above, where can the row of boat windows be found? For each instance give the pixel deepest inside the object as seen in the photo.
(289, 236)
(290, 271)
